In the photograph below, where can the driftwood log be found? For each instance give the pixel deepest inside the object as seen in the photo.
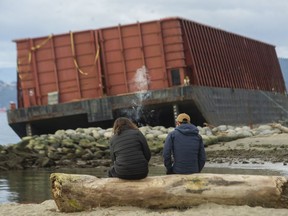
(280, 127)
(84, 192)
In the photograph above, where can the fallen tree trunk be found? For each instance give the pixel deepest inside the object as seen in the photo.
(83, 192)
(280, 127)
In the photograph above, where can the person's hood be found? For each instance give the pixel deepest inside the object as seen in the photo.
(187, 129)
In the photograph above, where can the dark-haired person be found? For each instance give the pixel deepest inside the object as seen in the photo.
(130, 153)
(184, 151)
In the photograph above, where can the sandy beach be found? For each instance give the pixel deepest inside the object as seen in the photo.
(251, 144)
(48, 208)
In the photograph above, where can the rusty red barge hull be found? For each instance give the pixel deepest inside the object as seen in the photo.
(149, 71)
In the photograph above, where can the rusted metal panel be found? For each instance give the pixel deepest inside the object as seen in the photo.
(157, 46)
(129, 48)
(65, 63)
(223, 59)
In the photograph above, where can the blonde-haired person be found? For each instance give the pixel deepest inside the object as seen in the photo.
(130, 153)
(184, 151)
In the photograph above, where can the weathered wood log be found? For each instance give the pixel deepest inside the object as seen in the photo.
(83, 192)
(280, 127)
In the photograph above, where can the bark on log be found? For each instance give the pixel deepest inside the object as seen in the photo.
(280, 127)
(84, 192)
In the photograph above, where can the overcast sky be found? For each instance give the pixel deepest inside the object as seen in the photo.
(264, 20)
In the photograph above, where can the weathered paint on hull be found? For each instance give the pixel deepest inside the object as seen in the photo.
(205, 104)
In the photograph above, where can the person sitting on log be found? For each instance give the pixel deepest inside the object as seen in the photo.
(130, 153)
(183, 151)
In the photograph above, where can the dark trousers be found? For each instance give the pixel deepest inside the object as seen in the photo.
(112, 174)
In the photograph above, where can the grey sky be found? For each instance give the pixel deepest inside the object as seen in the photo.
(264, 20)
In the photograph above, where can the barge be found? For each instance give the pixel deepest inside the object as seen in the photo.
(149, 72)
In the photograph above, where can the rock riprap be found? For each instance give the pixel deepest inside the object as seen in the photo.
(89, 147)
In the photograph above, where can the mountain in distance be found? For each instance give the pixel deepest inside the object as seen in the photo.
(8, 93)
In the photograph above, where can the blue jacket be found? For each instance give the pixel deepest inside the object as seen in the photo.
(184, 151)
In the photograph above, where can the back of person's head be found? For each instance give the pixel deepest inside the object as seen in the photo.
(183, 118)
(121, 124)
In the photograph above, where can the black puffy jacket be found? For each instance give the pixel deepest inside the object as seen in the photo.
(130, 153)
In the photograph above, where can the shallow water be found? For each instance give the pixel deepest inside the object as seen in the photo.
(33, 186)
(248, 169)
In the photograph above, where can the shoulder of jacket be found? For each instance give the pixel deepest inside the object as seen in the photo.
(172, 134)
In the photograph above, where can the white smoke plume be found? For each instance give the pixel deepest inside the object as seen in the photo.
(142, 79)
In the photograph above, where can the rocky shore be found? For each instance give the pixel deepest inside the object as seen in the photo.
(89, 147)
